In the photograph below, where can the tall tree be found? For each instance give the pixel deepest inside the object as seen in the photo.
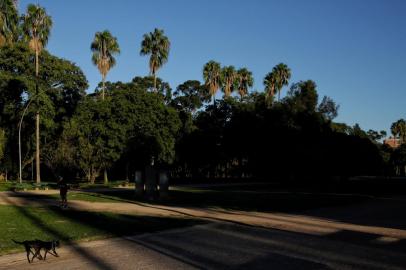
(270, 82)
(212, 77)
(328, 108)
(190, 96)
(104, 47)
(398, 130)
(245, 81)
(228, 76)
(303, 96)
(2, 143)
(62, 86)
(8, 22)
(37, 27)
(157, 45)
(282, 72)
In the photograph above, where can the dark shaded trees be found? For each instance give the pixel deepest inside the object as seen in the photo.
(293, 139)
(398, 130)
(190, 96)
(398, 159)
(328, 108)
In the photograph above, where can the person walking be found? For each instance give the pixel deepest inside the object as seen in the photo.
(63, 191)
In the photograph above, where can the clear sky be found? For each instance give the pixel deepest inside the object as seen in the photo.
(355, 50)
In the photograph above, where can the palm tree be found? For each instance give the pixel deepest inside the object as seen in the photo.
(212, 77)
(157, 45)
(398, 129)
(8, 22)
(36, 27)
(270, 82)
(104, 47)
(245, 81)
(228, 77)
(283, 74)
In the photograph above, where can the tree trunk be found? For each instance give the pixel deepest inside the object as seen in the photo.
(155, 89)
(36, 63)
(103, 85)
(92, 174)
(37, 157)
(106, 179)
(92, 178)
(88, 175)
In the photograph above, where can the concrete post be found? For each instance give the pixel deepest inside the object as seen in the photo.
(139, 184)
(150, 182)
(163, 185)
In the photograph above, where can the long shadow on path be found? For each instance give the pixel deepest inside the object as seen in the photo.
(112, 226)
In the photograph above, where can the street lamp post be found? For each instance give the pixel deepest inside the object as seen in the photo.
(19, 140)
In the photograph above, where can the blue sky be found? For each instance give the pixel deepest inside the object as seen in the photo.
(355, 50)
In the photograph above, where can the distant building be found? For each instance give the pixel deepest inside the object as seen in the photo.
(392, 142)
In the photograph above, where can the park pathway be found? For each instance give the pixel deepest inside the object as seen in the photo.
(307, 223)
(371, 235)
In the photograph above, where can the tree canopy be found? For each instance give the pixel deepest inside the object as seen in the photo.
(157, 45)
(104, 46)
(245, 135)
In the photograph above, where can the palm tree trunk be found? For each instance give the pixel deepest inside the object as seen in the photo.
(37, 157)
(156, 90)
(36, 63)
(103, 85)
(37, 160)
(279, 95)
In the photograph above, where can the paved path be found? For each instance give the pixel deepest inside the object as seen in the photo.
(307, 223)
(364, 236)
(216, 246)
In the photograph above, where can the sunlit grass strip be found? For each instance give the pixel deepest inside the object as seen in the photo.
(22, 223)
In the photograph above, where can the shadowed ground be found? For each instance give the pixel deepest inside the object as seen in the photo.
(366, 235)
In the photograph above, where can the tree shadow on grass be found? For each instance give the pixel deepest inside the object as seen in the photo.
(106, 224)
(354, 239)
(236, 200)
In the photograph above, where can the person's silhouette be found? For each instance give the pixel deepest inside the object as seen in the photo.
(63, 191)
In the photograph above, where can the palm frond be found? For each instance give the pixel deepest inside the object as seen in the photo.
(36, 27)
(157, 45)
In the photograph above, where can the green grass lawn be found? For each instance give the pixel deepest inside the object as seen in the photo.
(25, 223)
(118, 197)
(13, 185)
(251, 200)
(5, 186)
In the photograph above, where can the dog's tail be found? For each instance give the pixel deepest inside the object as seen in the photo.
(21, 243)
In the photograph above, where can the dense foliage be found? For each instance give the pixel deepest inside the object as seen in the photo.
(245, 135)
